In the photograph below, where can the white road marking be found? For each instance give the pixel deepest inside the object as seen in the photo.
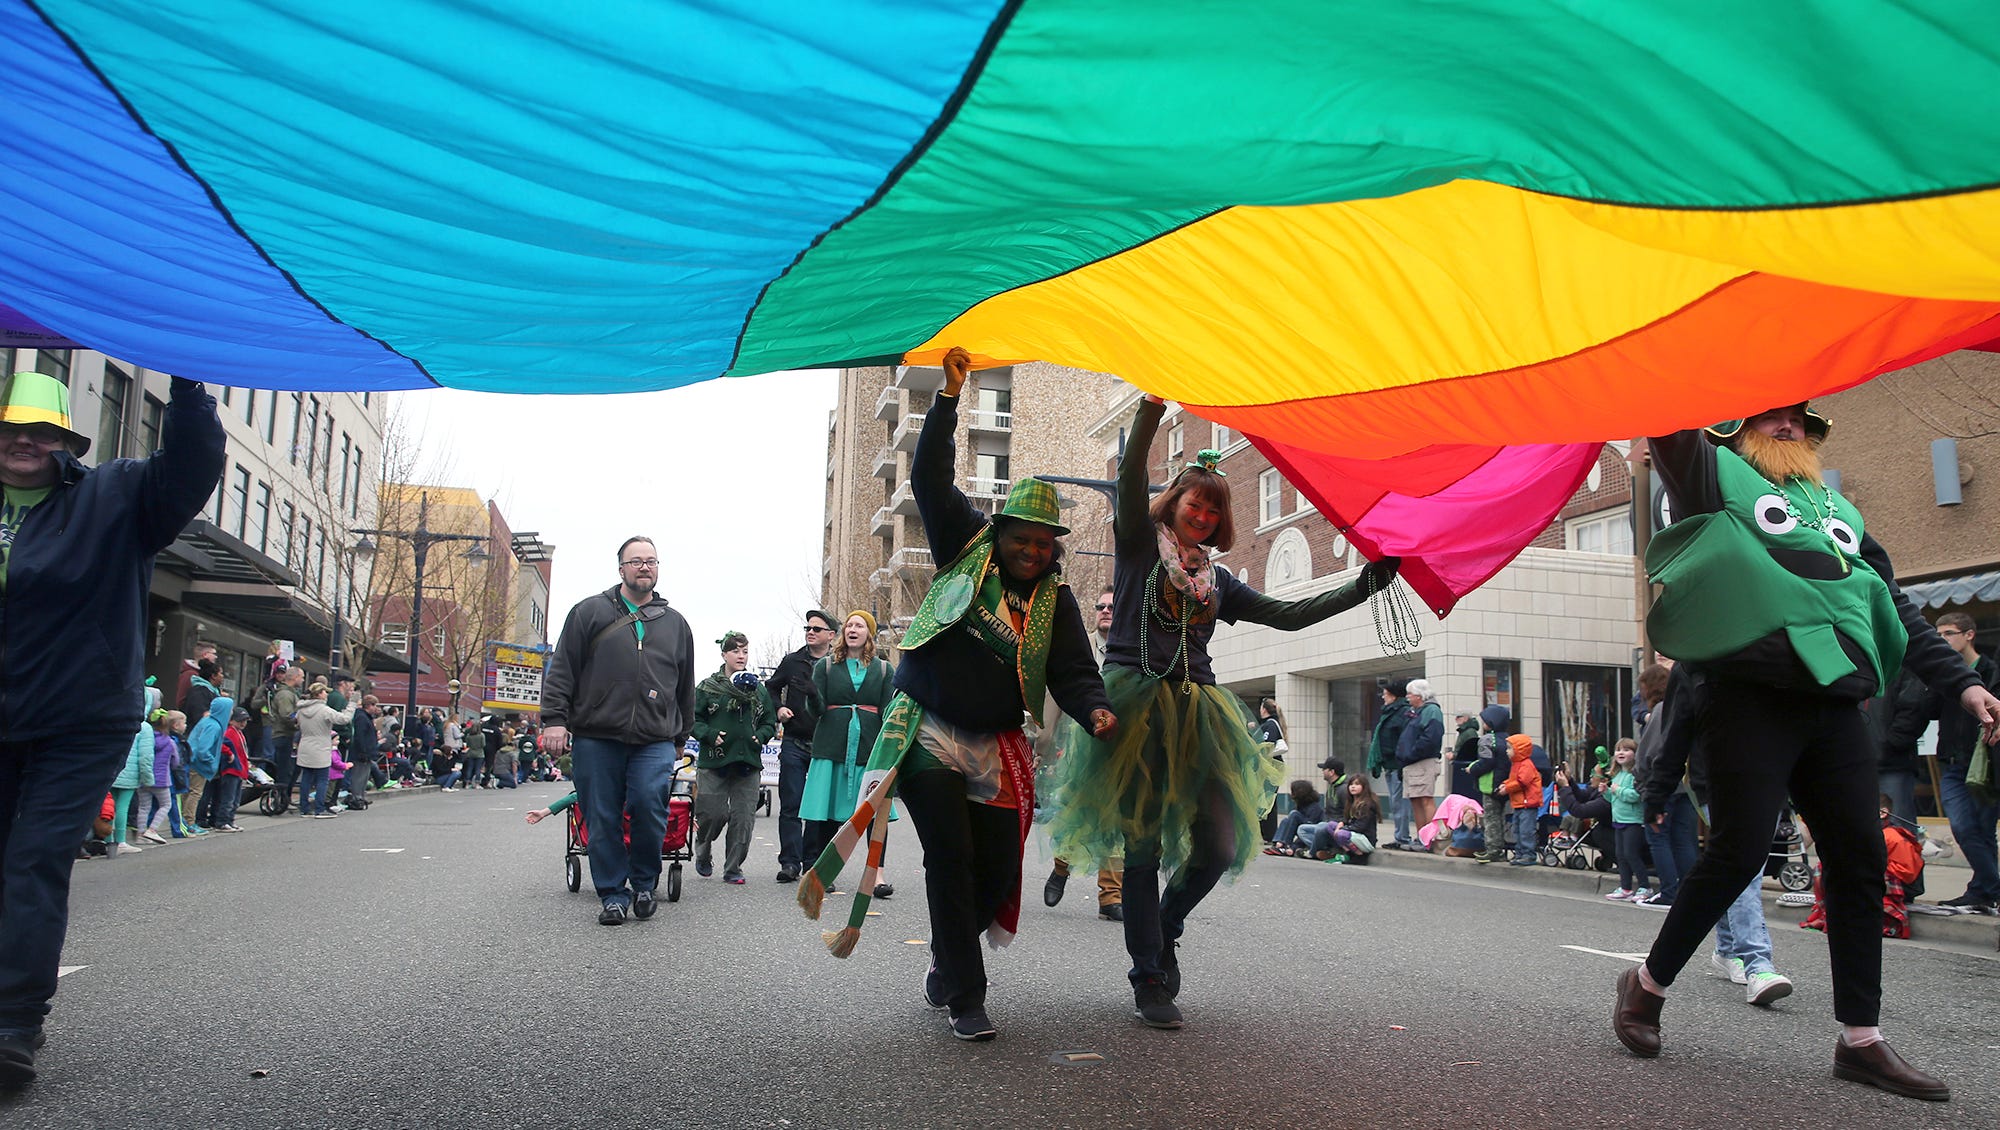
(66, 970)
(386, 851)
(1608, 953)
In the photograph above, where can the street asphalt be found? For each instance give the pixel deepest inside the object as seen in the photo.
(422, 964)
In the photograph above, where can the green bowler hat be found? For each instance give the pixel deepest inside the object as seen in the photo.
(1817, 426)
(1033, 500)
(37, 398)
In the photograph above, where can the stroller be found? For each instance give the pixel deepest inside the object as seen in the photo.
(674, 848)
(1788, 863)
(262, 787)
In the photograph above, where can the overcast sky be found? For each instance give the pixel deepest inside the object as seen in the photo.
(727, 476)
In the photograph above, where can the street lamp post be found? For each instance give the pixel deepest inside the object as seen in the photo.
(421, 540)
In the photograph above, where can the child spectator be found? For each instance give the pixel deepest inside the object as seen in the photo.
(1352, 839)
(1628, 814)
(537, 815)
(1523, 790)
(137, 774)
(155, 800)
(235, 769)
(1306, 809)
(205, 754)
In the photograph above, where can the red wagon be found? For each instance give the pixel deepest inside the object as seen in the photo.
(673, 848)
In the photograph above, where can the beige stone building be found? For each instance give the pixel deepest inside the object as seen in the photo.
(1014, 421)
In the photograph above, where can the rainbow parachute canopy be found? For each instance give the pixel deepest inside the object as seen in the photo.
(1392, 242)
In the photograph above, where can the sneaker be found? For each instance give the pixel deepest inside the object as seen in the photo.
(329, 815)
(1620, 895)
(1730, 967)
(152, 837)
(1764, 988)
(1170, 968)
(704, 867)
(1152, 1004)
(1641, 895)
(644, 904)
(229, 828)
(613, 914)
(127, 849)
(973, 1026)
(1655, 901)
(934, 987)
(734, 877)
(787, 875)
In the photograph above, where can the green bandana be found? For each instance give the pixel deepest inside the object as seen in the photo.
(972, 579)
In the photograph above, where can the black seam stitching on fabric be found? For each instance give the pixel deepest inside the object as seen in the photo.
(1795, 206)
(215, 199)
(947, 113)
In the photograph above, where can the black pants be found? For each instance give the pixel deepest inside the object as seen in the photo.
(1761, 744)
(972, 862)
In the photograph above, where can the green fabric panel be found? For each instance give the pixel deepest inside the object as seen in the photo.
(1099, 124)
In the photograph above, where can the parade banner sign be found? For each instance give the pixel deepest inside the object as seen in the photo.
(513, 677)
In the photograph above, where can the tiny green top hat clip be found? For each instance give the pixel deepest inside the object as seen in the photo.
(1033, 500)
(1206, 459)
(732, 639)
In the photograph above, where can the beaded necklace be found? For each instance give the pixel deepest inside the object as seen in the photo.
(1183, 618)
(1819, 519)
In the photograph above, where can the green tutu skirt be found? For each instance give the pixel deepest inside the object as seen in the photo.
(1146, 785)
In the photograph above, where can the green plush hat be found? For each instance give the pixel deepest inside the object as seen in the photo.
(1032, 500)
(37, 398)
(1817, 426)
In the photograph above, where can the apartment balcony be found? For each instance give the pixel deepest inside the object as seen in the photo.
(918, 378)
(885, 464)
(911, 560)
(883, 524)
(903, 501)
(977, 487)
(888, 404)
(980, 420)
(907, 431)
(880, 578)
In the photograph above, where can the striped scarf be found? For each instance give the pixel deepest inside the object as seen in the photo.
(871, 819)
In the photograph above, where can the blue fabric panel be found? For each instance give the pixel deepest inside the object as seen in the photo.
(104, 239)
(526, 196)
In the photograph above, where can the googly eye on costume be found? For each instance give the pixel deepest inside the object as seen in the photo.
(1842, 535)
(1774, 517)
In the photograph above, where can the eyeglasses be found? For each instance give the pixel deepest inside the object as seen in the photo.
(817, 628)
(640, 563)
(1949, 632)
(47, 435)
(1105, 607)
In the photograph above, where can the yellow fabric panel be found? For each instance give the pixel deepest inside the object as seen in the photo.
(1280, 304)
(1935, 247)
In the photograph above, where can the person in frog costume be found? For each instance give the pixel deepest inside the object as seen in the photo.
(997, 629)
(1786, 616)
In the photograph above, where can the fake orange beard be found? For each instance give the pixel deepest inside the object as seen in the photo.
(1780, 459)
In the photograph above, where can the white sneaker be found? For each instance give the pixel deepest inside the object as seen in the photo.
(153, 836)
(129, 849)
(1730, 967)
(1763, 988)
(1620, 895)
(1641, 895)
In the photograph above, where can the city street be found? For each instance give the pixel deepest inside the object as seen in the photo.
(423, 964)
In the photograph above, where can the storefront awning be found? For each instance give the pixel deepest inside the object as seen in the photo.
(1955, 590)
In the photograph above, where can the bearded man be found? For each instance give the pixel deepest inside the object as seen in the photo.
(1787, 616)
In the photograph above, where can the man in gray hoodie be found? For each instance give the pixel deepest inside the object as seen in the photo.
(619, 698)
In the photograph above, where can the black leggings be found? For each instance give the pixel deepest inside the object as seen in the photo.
(972, 862)
(1762, 743)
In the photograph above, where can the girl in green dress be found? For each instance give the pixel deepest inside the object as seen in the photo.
(851, 689)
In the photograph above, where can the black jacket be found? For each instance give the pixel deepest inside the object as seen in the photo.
(955, 675)
(363, 744)
(1667, 750)
(73, 616)
(1958, 731)
(791, 687)
(1897, 719)
(614, 685)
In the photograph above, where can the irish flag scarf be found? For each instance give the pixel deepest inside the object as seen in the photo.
(871, 819)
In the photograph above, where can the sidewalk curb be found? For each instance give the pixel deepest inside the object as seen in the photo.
(1961, 929)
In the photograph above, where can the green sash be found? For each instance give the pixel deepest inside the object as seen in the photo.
(966, 592)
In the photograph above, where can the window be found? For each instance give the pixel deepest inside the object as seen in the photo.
(116, 392)
(1500, 677)
(250, 406)
(319, 562)
(354, 496)
(237, 511)
(152, 418)
(326, 467)
(364, 400)
(990, 474)
(54, 362)
(221, 495)
(305, 551)
(437, 640)
(1305, 504)
(1583, 707)
(271, 418)
(346, 466)
(396, 637)
(227, 394)
(1220, 438)
(311, 438)
(298, 423)
(1603, 532)
(1176, 447)
(257, 537)
(1270, 496)
(286, 517)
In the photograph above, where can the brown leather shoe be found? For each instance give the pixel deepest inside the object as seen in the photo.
(1459, 852)
(1878, 1066)
(1636, 1020)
